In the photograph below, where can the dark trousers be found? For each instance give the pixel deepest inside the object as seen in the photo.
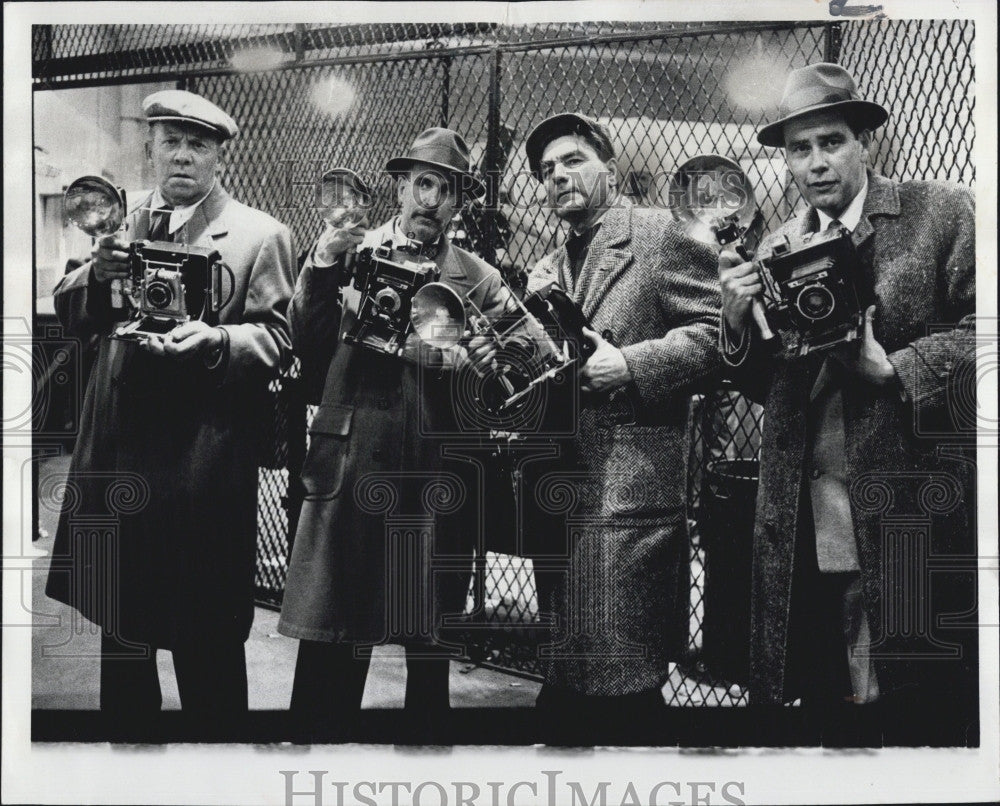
(329, 684)
(211, 681)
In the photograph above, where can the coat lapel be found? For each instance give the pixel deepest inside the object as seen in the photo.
(608, 257)
(208, 221)
(882, 199)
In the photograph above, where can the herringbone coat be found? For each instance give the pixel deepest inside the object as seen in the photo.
(911, 497)
(623, 607)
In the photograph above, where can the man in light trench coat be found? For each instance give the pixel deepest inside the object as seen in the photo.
(167, 455)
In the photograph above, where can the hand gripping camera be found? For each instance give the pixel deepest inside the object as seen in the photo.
(387, 278)
(168, 283)
(809, 286)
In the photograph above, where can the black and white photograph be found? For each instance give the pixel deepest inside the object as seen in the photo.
(500, 403)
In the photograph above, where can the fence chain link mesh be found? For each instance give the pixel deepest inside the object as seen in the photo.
(356, 95)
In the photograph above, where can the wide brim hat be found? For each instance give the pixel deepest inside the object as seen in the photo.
(561, 125)
(182, 106)
(821, 87)
(442, 149)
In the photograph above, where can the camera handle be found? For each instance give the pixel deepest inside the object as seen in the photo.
(756, 306)
(216, 305)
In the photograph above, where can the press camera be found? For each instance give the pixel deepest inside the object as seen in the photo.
(169, 284)
(809, 281)
(387, 278)
(810, 287)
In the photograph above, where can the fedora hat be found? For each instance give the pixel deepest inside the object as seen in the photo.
(442, 149)
(819, 88)
(559, 126)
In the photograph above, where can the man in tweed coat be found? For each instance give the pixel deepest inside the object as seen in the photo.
(856, 493)
(650, 293)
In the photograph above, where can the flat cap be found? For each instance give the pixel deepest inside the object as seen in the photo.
(187, 107)
(559, 126)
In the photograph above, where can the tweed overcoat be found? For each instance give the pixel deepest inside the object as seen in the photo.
(916, 247)
(383, 548)
(157, 535)
(622, 607)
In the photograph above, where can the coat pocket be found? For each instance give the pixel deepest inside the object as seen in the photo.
(326, 460)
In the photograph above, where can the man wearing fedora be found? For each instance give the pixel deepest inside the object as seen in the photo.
(375, 424)
(651, 295)
(853, 442)
(168, 448)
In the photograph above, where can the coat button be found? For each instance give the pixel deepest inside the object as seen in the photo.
(607, 335)
(382, 403)
(377, 454)
(815, 473)
(771, 530)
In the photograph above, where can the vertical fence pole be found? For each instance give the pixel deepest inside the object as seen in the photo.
(491, 162)
(445, 90)
(833, 36)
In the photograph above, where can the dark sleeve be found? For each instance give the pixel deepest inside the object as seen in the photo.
(83, 306)
(314, 319)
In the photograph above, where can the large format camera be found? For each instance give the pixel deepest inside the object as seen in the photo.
(169, 284)
(387, 278)
(809, 281)
(810, 286)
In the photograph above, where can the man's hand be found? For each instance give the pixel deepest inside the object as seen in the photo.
(870, 362)
(336, 241)
(184, 340)
(740, 286)
(110, 259)
(606, 368)
(481, 355)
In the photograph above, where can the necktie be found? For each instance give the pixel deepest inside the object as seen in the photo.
(159, 220)
(835, 224)
(576, 249)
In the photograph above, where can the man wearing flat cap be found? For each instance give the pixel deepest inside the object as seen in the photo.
(651, 296)
(853, 440)
(349, 584)
(169, 436)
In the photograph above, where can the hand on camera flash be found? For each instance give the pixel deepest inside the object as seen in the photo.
(606, 368)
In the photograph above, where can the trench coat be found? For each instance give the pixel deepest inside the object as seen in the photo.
(157, 535)
(618, 495)
(911, 496)
(384, 544)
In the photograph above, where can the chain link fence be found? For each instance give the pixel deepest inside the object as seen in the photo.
(309, 97)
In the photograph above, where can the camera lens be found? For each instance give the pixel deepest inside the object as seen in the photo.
(159, 294)
(815, 302)
(388, 300)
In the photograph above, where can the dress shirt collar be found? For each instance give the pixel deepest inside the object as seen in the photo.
(852, 215)
(179, 216)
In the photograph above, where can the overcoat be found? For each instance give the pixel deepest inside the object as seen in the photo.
(383, 548)
(157, 535)
(622, 602)
(911, 496)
